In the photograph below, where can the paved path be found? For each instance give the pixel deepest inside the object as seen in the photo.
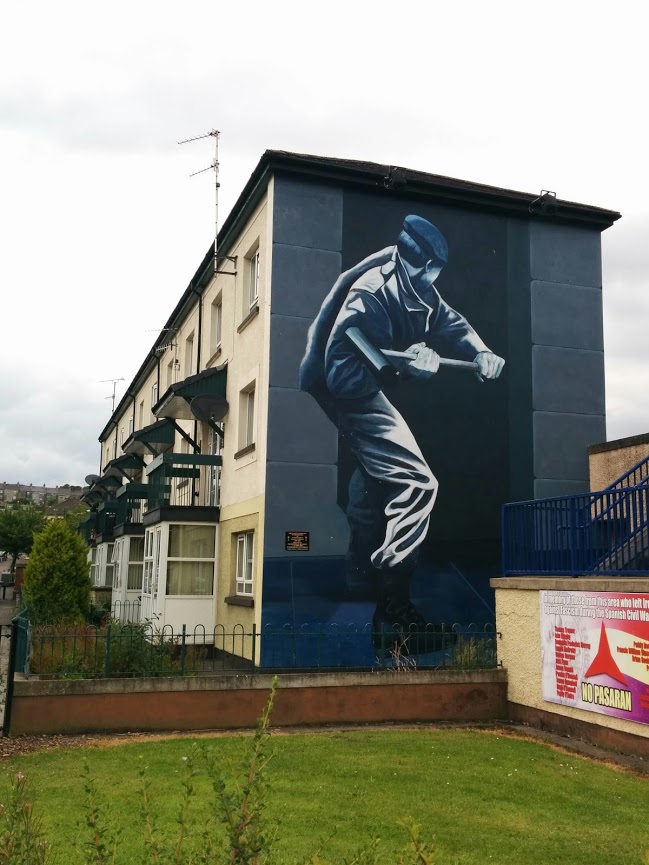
(7, 610)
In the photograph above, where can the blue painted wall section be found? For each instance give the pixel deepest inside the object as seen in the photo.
(567, 354)
(301, 469)
(532, 291)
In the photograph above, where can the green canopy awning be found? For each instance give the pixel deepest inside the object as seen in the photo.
(133, 491)
(175, 401)
(108, 483)
(154, 439)
(102, 489)
(92, 497)
(126, 466)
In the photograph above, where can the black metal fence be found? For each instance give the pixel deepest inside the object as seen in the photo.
(133, 650)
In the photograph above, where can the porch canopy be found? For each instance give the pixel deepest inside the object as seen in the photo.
(102, 490)
(157, 438)
(175, 401)
(127, 466)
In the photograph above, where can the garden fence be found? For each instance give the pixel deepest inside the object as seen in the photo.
(133, 650)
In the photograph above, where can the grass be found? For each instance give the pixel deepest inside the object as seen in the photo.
(481, 797)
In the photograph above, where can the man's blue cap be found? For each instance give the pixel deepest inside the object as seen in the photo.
(428, 238)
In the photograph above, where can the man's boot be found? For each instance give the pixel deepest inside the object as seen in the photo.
(397, 624)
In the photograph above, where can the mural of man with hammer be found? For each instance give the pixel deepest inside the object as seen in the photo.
(384, 318)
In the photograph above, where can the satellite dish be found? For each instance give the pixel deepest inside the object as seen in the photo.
(209, 408)
(92, 479)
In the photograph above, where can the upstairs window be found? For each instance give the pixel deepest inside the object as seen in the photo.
(216, 326)
(247, 417)
(189, 355)
(252, 274)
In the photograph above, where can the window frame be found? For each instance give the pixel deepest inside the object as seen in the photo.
(244, 583)
(192, 559)
(216, 325)
(252, 279)
(188, 357)
(134, 563)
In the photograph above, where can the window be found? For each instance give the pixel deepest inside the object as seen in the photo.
(135, 560)
(117, 549)
(140, 417)
(247, 418)
(108, 576)
(130, 425)
(148, 562)
(245, 553)
(216, 325)
(170, 373)
(121, 436)
(253, 279)
(189, 354)
(154, 395)
(92, 559)
(190, 560)
(215, 447)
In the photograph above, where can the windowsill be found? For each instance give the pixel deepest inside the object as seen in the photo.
(254, 312)
(247, 450)
(239, 601)
(214, 357)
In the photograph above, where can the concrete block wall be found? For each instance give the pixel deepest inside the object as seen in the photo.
(302, 443)
(567, 355)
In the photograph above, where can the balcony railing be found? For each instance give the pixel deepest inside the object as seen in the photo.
(131, 501)
(106, 514)
(184, 480)
(595, 533)
(87, 528)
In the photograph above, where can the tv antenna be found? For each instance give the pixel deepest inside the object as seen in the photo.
(114, 383)
(214, 166)
(172, 343)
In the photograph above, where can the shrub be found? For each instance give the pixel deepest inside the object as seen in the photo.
(83, 651)
(57, 579)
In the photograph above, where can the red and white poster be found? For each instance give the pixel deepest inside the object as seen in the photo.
(595, 651)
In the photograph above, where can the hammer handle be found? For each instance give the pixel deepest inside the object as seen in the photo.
(443, 361)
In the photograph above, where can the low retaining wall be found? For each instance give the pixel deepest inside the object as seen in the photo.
(518, 621)
(232, 701)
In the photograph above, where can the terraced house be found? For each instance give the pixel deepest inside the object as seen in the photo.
(292, 453)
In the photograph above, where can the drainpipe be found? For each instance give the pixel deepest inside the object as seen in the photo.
(199, 294)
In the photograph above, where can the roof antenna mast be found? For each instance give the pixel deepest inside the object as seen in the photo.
(113, 381)
(215, 134)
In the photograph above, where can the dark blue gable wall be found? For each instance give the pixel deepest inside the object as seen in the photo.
(533, 292)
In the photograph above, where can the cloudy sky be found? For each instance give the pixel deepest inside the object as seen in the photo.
(101, 227)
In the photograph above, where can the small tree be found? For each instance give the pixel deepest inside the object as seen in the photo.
(18, 525)
(76, 515)
(57, 579)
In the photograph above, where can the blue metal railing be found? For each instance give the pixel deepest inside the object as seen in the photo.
(603, 532)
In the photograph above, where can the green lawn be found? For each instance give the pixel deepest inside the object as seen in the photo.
(480, 796)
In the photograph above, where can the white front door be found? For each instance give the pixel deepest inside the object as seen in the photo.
(151, 574)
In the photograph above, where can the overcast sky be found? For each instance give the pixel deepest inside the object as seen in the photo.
(101, 227)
